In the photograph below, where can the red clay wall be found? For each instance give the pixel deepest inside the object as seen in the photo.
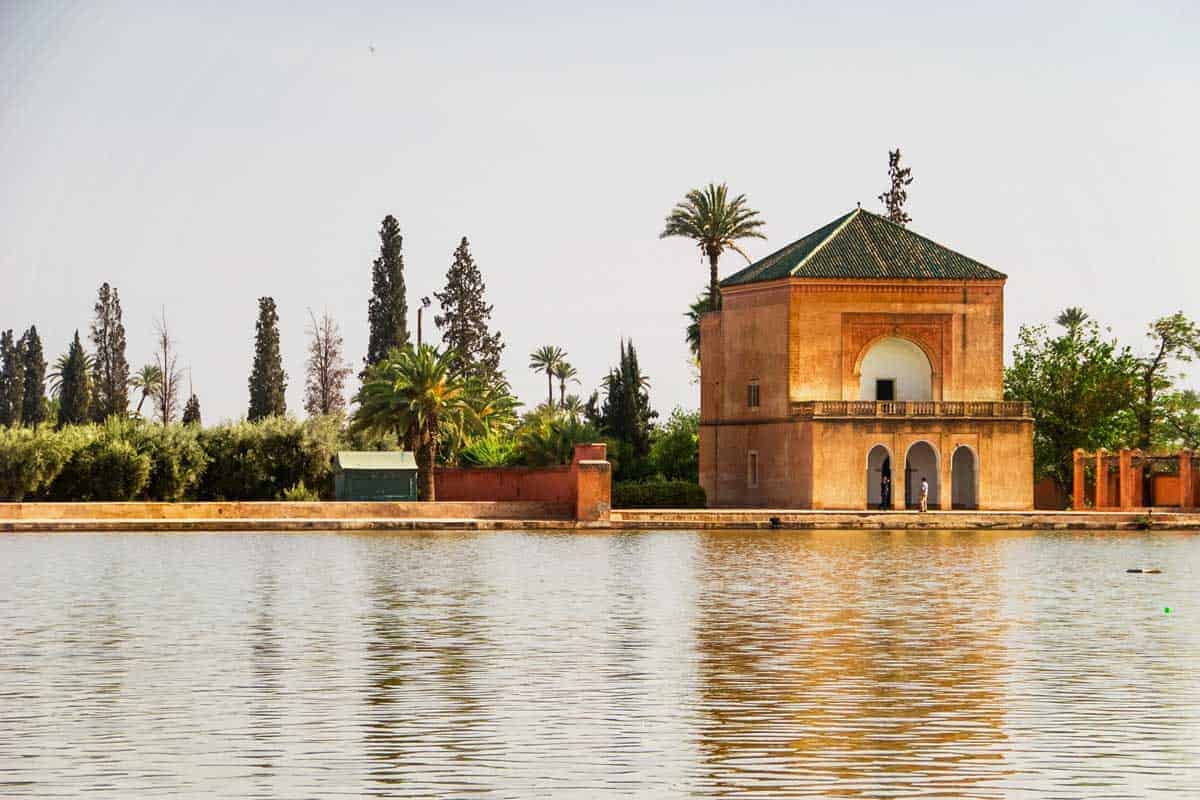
(585, 486)
(552, 485)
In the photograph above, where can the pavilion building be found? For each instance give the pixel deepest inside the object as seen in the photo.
(859, 351)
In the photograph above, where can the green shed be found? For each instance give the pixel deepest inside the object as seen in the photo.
(371, 475)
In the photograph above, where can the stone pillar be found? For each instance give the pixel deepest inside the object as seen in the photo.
(1101, 479)
(592, 476)
(1187, 480)
(1078, 490)
(946, 479)
(1137, 482)
(898, 476)
(1125, 479)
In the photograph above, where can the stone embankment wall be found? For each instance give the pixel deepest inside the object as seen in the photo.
(579, 492)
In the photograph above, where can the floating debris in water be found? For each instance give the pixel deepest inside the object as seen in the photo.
(1140, 571)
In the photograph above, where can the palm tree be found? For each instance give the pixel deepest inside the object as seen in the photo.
(149, 380)
(417, 392)
(715, 223)
(564, 372)
(546, 359)
(695, 311)
(55, 378)
(574, 408)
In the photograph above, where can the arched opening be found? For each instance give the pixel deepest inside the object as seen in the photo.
(921, 462)
(895, 369)
(879, 478)
(963, 478)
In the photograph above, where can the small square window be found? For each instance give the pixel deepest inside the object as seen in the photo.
(752, 394)
(885, 389)
(752, 469)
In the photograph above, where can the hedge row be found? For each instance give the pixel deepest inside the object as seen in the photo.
(658, 494)
(132, 460)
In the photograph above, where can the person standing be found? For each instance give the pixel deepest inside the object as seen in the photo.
(924, 494)
(885, 492)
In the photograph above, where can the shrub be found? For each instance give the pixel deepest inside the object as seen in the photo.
(259, 460)
(109, 467)
(658, 494)
(31, 460)
(176, 460)
(299, 493)
(493, 450)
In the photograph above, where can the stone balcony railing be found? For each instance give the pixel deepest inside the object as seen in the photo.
(944, 409)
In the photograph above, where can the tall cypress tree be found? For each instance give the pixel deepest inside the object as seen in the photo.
(268, 381)
(387, 310)
(12, 380)
(465, 317)
(626, 414)
(111, 394)
(191, 410)
(34, 408)
(74, 386)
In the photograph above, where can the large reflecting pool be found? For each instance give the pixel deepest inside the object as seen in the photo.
(579, 665)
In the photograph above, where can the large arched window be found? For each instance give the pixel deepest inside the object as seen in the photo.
(895, 369)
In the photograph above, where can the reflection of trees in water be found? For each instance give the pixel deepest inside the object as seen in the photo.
(846, 663)
(266, 704)
(424, 712)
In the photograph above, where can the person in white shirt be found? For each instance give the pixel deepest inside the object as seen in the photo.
(924, 494)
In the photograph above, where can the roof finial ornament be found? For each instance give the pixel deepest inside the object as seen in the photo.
(858, 203)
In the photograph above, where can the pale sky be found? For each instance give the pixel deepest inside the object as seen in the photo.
(200, 157)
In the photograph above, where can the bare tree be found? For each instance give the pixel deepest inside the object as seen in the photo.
(325, 381)
(166, 397)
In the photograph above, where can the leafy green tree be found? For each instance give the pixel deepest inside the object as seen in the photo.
(1174, 340)
(387, 310)
(33, 408)
(896, 195)
(268, 381)
(716, 224)
(418, 391)
(675, 450)
(12, 381)
(626, 414)
(148, 379)
(546, 359)
(73, 386)
(1179, 425)
(111, 381)
(1079, 385)
(191, 411)
(565, 373)
(465, 319)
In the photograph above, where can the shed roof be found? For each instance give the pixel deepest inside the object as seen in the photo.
(862, 245)
(374, 460)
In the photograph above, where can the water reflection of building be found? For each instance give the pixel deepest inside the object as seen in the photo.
(858, 351)
(838, 665)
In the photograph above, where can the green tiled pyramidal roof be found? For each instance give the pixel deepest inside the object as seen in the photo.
(865, 246)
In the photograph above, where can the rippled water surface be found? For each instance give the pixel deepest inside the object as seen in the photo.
(578, 665)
